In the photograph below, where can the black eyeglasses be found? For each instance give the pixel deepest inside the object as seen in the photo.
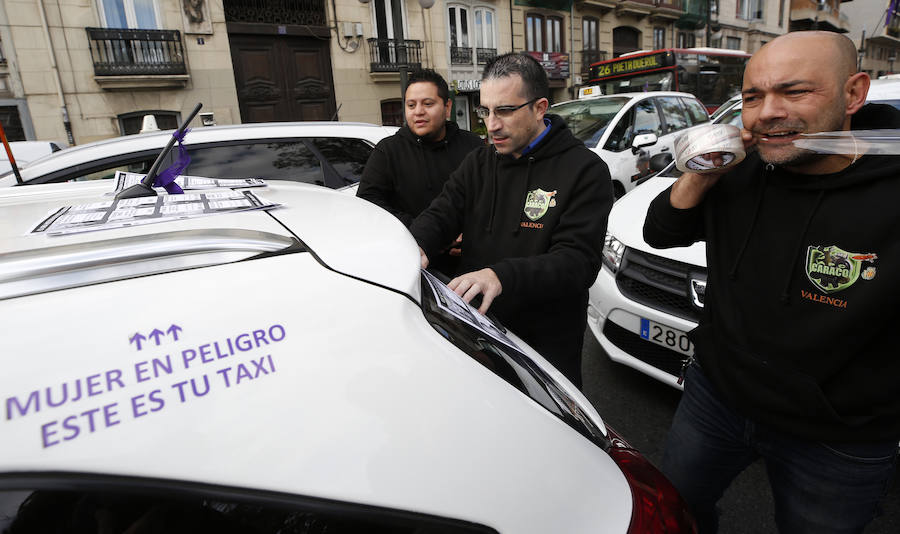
(502, 112)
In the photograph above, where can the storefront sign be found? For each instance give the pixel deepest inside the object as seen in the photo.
(467, 86)
(555, 63)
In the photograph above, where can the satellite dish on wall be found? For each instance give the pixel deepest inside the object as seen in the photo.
(426, 3)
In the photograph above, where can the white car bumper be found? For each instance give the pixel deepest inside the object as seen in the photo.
(615, 321)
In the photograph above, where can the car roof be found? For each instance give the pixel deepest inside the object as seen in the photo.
(633, 94)
(310, 212)
(105, 148)
(884, 89)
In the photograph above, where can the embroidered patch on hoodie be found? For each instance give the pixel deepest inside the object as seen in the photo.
(538, 202)
(832, 269)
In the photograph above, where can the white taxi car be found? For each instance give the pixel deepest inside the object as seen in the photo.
(628, 129)
(332, 154)
(280, 370)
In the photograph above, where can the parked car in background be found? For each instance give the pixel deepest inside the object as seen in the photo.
(332, 154)
(645, 300)
(628, 129)
(885, 91)
(25, 152)
(281, 370)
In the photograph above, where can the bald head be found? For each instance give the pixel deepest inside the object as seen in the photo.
(833, 49)
(801, 83)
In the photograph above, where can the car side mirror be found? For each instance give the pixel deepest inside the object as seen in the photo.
(642, 140)
(660, 161)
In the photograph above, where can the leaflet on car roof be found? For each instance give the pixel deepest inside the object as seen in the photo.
(128, 179)
(448, 300)
(118, 213)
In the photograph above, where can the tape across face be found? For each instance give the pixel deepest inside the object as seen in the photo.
(694, 147)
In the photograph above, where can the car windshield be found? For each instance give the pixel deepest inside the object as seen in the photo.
(588, 119)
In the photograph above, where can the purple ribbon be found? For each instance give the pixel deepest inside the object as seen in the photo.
(167, 178)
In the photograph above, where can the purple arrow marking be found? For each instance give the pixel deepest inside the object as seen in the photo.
(173, 330)
(156, 334)
(136, 339)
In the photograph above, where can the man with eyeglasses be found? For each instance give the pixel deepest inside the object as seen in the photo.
(533, 210)
(407, 170)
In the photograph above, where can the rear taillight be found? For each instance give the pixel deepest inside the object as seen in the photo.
(658, 508)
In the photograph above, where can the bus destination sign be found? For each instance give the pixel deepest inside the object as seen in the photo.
(630, 64)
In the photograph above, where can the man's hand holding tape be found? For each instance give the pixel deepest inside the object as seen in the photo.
(702, 170)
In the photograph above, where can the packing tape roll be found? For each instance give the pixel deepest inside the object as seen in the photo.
(692, 146)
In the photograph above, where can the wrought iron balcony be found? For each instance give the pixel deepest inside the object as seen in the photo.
(460, 55)
(483, 55)
(387, 55)
(126, 52)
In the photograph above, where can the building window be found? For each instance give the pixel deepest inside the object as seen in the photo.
(135, 14)
(590, 34)
(485, 42)
(687, 40)
(733, 43)
(750, 9)
(384, 19)
(659, 38)
(391, 113)
(543, 34)
(459, 26)
(460, 47)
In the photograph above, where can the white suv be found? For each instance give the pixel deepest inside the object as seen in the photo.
(282, 370)
(332, 154)
(628, 129)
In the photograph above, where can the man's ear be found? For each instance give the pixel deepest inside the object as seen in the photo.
(855, 91)
(448, 108)
(541, 107)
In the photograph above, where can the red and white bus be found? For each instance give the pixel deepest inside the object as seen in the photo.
(713, 75)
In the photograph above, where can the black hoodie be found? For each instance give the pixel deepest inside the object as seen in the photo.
(800, 308)
(546, 259)
(405, 172)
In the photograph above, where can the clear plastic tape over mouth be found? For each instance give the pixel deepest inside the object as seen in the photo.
(700, 149)
(855, 142)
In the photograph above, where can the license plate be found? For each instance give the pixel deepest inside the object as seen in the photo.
(669, 338)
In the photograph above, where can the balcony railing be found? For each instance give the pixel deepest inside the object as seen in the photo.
(460, 55)
(126, 52)
(483, 55)
(386, 55)
(591, 56)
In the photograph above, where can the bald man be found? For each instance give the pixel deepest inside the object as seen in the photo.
(796, 358)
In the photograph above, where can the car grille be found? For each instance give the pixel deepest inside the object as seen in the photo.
(649, 353)
(660, 283)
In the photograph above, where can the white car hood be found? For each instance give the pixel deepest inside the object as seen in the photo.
(626, 223)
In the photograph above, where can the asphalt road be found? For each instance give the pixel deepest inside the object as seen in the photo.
(641, 409)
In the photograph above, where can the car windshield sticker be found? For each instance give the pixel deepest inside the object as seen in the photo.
(457, 307)
(831, 269)
(137, 211)
(128, 179)
(169, 370)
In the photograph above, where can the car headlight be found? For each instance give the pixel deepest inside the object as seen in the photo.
(613, 249)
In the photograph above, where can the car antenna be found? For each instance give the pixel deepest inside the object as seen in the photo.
(145, 187)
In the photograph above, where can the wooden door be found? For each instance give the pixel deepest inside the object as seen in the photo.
(282, 78)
